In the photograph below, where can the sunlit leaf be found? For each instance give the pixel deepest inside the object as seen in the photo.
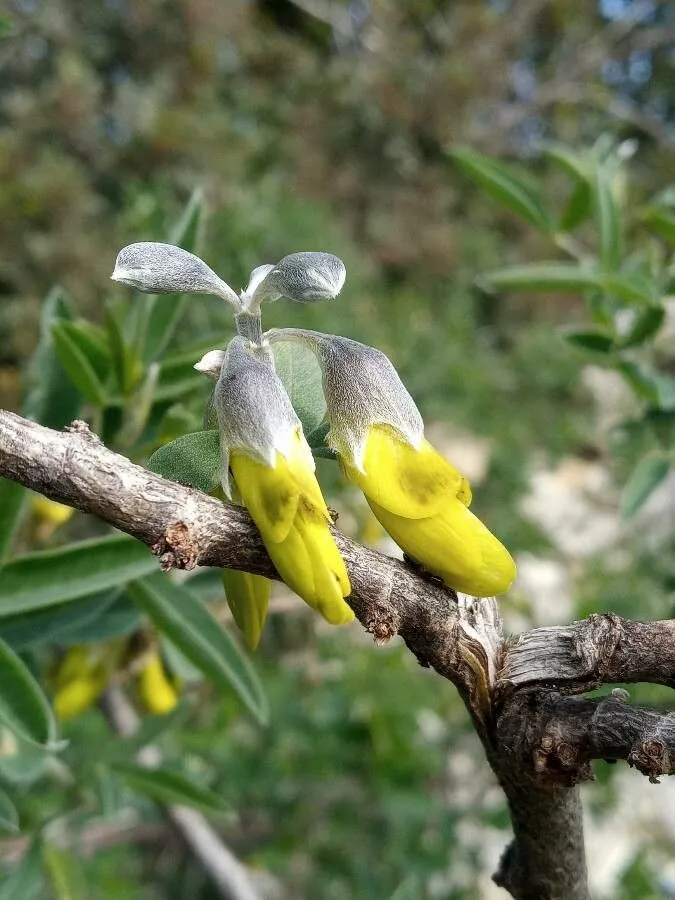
(645, 478)
(551, 276)
(190, 625)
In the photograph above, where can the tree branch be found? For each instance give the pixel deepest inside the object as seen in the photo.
(584, 655)
(538, 742)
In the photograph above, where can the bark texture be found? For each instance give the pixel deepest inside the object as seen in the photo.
(539, 740)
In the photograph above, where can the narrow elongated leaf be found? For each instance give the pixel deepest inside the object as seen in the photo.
(13, 497)
(77, 365)
(661, 222)
(23, 706)
(189, 624)
(510, 188)
(38, 580)
(577, 165)
(121, 618)
(126, 364)
(645, 478)
(9, 817)
(590, 339)
(657, 388)
(54, 623)
(93, 342)
(578, 207)
(26, 880)
(608, 221)
(299, 370)
(168, 786)
(52, 398)
(165, 312)
(193, 459)
(544, 276)
(65, 871)
(151, 728)
(644, 326)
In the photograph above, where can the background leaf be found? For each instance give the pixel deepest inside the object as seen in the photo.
(23, 706)
(26, 880)
(167, 786)
(13, 497)
(9, 817)
(590, 339)
(52, 398)
(645, 478)
(193, 459)
(162, 314)
(510, 188)
(189, 624)
(608, 220)
(76, 363)
(48, 578)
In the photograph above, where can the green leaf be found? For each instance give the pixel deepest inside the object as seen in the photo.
(9, 817)
(190, 625)
(575, 164)
(65, 871)
(646, 476)
(661, 222)
(21, 762)
(169, 787)
(93, 342)
(544, 276)
(509, 187)
(164, 312)
(655, 387)
(578, 207)
(77, 365)
(590, 339)
(299, 370)
(120, 619)
(52, 398)
(151, 728)
(26, 880)
(126, 364)
(193, 459)
(608, 220)
(23, 707)
(54, 624)
(569, 276)
(13, 497)
(48, 578)
(645, 324)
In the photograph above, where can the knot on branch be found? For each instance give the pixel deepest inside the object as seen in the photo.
(177, 548)
(78, 426)
(557, 759)
(652, 758)
(597, 643)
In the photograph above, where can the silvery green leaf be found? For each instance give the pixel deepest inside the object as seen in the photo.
(156, 268)
(211, 363)
(254, 412)
(256, 278)
(361, 387)
(306, 277)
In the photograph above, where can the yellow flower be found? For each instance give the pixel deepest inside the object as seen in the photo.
(81, 678)
(285, 502)
(155, 689)
(422, 502)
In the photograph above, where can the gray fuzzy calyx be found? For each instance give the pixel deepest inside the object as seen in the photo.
(307, 277)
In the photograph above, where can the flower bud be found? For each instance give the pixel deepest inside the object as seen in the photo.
(306, 277)
(210, 364)
(165, 269)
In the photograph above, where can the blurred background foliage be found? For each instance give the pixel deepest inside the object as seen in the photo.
(496, 175)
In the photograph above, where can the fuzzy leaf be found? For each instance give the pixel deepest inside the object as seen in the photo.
(193, 459)
(299, 371)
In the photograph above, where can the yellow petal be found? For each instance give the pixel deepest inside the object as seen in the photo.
(407, 482)
(270, 494)
(248, 597)
(454, 545)
(77, 696)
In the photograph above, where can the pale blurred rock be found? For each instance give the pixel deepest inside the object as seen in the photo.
(547, 586)
(613, 399)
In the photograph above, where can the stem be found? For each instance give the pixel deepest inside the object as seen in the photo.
(249, 326)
